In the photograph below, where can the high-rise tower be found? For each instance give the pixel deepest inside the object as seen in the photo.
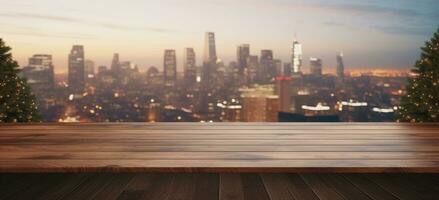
(76, 73)
(242, 54)
(89, 70)
(170, 68)
(40, 72)
(190, 68)
(267, 69)
(296, 57)
(340, 65)
(210, 58)
(115, 64)
(315, 66)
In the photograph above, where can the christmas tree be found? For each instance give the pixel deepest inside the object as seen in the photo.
(17, 104)
(421, 104)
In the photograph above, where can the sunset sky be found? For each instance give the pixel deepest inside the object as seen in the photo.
(373, 33)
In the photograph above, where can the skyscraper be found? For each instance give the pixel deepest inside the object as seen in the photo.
(170, 68)
(76, 74)
(278, 68)
(340, 65)
(259, 105)
(315, 66)
(266, 66)
(242, 54)
(115, 64)
(210, 58)
(89, 70)
(296, 57)
(252, 67)
(190, 68)
(40, 72)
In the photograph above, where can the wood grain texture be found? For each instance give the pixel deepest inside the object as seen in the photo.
(222, 147)
(166, 186)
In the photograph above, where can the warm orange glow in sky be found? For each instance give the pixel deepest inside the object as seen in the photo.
(374, 33)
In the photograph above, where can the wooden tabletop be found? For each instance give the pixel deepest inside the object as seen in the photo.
(220, 147)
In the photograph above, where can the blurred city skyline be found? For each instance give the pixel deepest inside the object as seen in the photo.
(376, 34)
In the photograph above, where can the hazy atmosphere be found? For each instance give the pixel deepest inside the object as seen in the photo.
(375, 34)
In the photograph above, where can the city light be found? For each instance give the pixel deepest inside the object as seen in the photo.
(319, 107)
(383, 110)
(255, 87)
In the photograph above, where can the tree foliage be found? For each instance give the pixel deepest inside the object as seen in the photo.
(17, 104)
(421, 104)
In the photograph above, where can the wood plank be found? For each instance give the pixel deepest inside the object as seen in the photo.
(277, 186)
(231, 187)
(299, 189)
(422, 191)
(160, 188)
(207, 187)
(217, 148)
(229, 147)
(38, 188)
(253, 187)
(60, 190)
(189, 142)
(290, 166)
(89, 188)
(114, 188)
(210, 136)
(183, 187)
(15, 185)
(344, 187)
(137, 187)
(37, 155)
(320, 188)
(370, 188)
(400, 190)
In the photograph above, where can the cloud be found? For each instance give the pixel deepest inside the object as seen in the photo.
(133, 28)
(35, 32)
(52, 35)
(83, 21)
(40, 16)
(368, 9)
(387, 29)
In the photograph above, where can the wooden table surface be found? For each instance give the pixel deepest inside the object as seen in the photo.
(220, 147)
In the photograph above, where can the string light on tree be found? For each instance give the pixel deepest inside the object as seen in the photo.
(422, 101)
(17, 104)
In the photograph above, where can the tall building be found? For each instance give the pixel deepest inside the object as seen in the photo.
(296, 57)
(210, 58)
(115, 63)
(252, 68)
(340, 65)
(76, 72)
(287, 69)
(170, 68)
(40, 72)
(265, 73)
(102, 69)
(190, 68)
(242, 54)
(259, 105)
(89, 70)
(153, 76)
(283, 90)
(315, 66)
(277, 63)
